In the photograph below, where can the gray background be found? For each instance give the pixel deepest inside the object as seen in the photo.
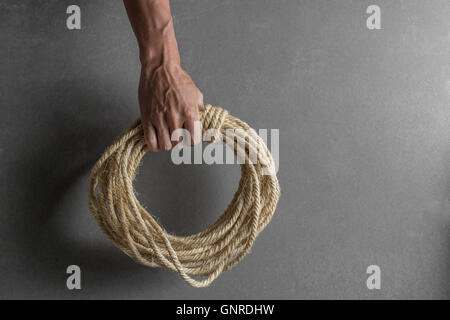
(364, 125)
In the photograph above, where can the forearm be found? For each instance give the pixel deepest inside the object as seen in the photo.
(152, 24)
(168, 98)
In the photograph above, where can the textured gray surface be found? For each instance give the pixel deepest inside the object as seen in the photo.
(364, 124)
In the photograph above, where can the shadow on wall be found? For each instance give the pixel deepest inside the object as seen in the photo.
(64, 148)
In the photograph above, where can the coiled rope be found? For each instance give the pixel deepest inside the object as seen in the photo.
(206, 254)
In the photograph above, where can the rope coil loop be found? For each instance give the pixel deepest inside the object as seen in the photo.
(204, 255)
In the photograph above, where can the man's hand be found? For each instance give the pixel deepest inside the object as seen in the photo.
(168, 97)
(169, 100)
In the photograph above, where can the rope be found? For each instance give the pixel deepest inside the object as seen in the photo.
(204, 255)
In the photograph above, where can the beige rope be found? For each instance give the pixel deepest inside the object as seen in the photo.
(206, 254)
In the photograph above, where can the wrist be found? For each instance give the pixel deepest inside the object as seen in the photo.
(160, 46)
(159, 54)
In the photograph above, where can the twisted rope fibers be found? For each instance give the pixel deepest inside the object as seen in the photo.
(204, 255)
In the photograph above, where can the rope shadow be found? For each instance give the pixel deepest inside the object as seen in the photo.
(49, 175)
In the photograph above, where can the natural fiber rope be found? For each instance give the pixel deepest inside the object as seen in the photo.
(206, 254)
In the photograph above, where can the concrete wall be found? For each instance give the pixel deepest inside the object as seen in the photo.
(364, 123)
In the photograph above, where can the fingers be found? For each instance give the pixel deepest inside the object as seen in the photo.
(174, 121)
(150, 137)
(157, 132)
(162, 132)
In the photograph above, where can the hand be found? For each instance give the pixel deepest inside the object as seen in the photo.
(168, 100)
